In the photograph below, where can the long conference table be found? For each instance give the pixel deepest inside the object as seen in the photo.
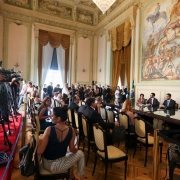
(159, 116)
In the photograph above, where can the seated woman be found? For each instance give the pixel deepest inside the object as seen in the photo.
(98, 104)
(141, 100)
(36, 97)
(64, 99)
(54, 144)
(43, 113)
(128, 110)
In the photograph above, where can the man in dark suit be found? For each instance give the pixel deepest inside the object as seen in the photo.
(104, 93)
(108, 94)
(100, 90)
(168, 103)
(152, 101)
(50, 90)
(74, 104)
(122, 94)
(94, 117)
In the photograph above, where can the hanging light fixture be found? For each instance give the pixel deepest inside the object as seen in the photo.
(104, 5)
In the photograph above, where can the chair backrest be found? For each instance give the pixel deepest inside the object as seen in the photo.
(123, 120)
(38, 128)
(69, 115)
(140, 127)
(110, 116)
(53, 102)
(99, 137)
(57, 103)
(85, 126)
(176, 106)
(103, 113)
(76, 119)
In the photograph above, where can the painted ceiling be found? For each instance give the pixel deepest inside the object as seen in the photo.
(84, 11)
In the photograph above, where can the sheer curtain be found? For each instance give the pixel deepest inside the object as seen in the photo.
(61, 64)
(47, 53)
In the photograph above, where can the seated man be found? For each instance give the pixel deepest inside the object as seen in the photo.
(94, 117)
(152, 101)
(74, 105)
(168, 103)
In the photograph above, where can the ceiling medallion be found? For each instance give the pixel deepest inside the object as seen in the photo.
(104, 5)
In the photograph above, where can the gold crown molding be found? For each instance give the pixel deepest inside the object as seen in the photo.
(129, 14)
(116, 13)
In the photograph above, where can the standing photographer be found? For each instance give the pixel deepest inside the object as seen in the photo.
(22, 93)
(15, 93)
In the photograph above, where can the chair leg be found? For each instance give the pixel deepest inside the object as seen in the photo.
(135, 149)
(146, 157)
(94, 165)
(79, 141)
(88, 154)
(125, 168)
(83, 146)
(160, 154)
(106, 170)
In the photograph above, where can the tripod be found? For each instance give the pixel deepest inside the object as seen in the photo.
(6, 140)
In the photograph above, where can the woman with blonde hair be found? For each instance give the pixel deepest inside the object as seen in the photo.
(43, 113)
(127, 108)
(98, 103)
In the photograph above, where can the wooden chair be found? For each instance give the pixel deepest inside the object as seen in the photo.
(77, 127)
(69, 117)
(57, 103)
(143, 138)
(107, 154)
(176, 106)
(103, 113)
(124, 121)
(86, 136)
(110, 116)
(53, 104)
(42, 173)
(38, 128)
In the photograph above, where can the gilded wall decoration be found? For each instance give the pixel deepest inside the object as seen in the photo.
(161, 40)
(101, 16)
(88, 3)
(21, 3)
(116, 4)
(55, 8)
(85, 17)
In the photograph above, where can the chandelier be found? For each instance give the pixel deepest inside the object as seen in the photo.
(104, 5)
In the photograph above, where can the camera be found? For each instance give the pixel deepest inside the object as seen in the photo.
(10, 74)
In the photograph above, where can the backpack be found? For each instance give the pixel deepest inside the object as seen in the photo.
(26, 165)
(118, 134)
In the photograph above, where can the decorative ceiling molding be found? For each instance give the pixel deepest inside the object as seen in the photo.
(53, 29)
(129, 14)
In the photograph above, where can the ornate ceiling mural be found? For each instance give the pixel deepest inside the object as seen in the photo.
(82, 11)
(20, 3)
(55, 8)
(84, 16)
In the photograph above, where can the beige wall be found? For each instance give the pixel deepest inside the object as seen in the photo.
(17, 47)
(83, 60)
(1, 38)
(101, 60)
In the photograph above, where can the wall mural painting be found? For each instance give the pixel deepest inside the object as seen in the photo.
(161, 41)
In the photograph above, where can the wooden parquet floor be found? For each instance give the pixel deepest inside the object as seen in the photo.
(135, 168)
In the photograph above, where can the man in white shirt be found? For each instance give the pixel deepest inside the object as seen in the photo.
(22, 93)
(30, 89)
(66, 91)
(152, 101)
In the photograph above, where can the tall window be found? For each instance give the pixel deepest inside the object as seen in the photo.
(53, 74)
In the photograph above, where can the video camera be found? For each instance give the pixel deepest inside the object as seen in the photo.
(10, 74)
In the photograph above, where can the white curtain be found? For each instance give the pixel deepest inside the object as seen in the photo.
(47, 53)
(61, 64)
